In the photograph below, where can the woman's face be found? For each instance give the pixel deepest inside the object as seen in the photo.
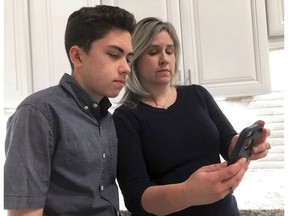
(157, 64)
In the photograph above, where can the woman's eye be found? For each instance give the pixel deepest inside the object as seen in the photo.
(152, 52)
(170, 51)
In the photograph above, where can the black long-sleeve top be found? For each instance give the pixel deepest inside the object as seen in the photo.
(165, 146)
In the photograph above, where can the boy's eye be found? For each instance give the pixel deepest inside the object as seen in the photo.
(114, 55)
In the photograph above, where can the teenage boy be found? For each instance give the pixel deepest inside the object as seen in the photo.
(61, 144)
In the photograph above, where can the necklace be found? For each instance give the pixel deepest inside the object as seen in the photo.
(164, 106)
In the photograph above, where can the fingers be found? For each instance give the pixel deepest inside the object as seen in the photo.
(232, 183)
(261, 122)
(259, 155)
(265, 133)
(268, 146)
(265, 146)
(214, 182)
(260, 150)
(214, 167)
(226, 172)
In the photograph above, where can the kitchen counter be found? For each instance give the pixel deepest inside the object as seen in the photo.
(254, 212)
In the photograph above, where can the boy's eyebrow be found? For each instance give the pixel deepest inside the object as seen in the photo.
(119, 49)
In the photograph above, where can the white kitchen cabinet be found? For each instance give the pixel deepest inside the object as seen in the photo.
(224, 43)
(48, 21)
(275, 17)
(34, 51)
(17, 67)
(166, 10)
(225, 46)
(48, 26)
(275, 21)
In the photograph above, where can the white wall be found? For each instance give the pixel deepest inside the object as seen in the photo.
(1, 103)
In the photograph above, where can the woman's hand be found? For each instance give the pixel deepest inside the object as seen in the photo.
(213, 182)
(260, 149)
(206, 185)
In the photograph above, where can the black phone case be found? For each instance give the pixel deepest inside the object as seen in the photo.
(247, 139)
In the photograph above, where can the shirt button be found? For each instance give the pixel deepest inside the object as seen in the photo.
(95, 105)
(86, 107)
(104, 156)
(101, 187)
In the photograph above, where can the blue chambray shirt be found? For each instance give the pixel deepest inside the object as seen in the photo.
(61, 154)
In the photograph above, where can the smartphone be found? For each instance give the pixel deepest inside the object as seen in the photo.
(247, 139)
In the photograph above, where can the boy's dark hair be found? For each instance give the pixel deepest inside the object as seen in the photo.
(88, 24)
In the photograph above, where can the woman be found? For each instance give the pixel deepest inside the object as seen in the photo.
(170, 137)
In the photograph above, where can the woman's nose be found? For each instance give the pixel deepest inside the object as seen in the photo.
(163, 59)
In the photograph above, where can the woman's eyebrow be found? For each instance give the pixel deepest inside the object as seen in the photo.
(156, 46)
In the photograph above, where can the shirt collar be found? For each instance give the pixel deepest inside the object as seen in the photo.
(98, 110)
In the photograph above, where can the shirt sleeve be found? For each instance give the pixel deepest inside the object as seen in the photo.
(224, 126)
(28, 159)
(132, 174)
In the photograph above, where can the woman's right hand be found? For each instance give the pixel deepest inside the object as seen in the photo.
(207, 185)
(213, 182)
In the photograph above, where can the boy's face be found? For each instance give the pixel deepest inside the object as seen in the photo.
(103, 71)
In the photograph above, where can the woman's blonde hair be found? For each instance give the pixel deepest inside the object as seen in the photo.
(142, 38)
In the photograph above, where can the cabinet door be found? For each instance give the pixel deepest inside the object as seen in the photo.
(166, 10)
(226, 46)
(275, 19)
(48, 20)
(38, 38)
(17, 55)
(34, 49)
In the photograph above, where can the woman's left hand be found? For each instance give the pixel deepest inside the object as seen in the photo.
(260, 150)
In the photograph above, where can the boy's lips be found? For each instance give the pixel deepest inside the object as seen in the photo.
(120, 82)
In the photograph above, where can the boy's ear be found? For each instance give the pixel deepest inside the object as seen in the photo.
(75, 56)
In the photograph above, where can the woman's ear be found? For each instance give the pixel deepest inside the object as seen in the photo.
(75, 55)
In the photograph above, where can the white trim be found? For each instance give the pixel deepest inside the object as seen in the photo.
(17, 53)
